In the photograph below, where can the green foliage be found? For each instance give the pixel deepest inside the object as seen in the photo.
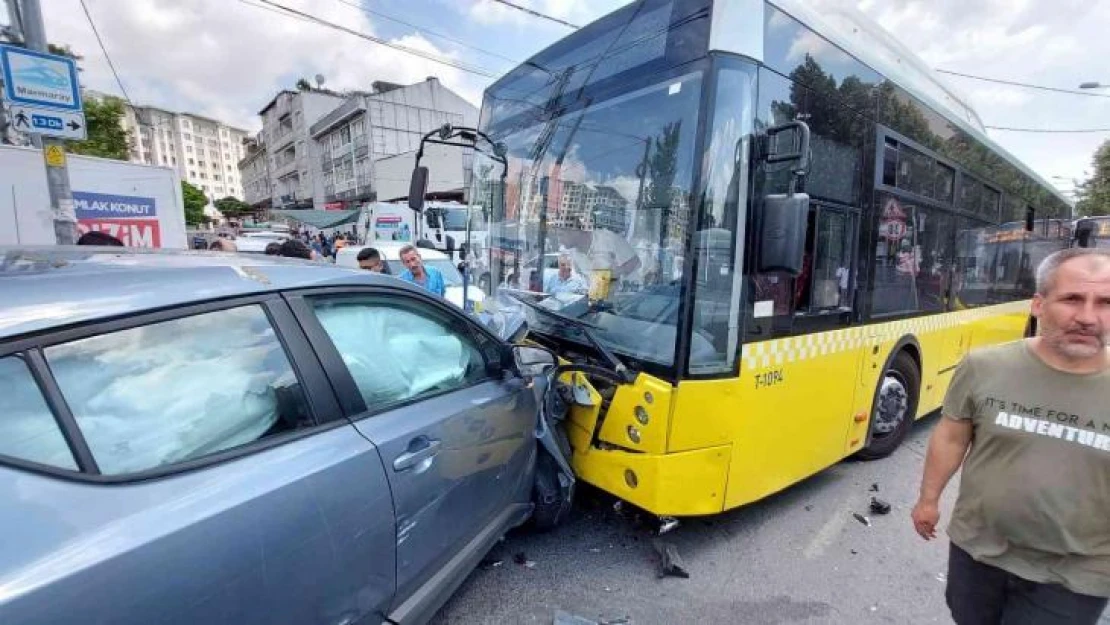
(233, 208)
(195, 201)
(104, 124)
(1094, 193)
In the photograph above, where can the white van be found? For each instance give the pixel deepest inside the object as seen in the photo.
(390, 252)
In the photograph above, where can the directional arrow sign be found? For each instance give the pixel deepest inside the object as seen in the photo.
(48, 122)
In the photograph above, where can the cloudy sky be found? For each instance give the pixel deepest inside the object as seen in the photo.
(227, 58)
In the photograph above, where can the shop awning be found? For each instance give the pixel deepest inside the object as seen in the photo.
(318, 218)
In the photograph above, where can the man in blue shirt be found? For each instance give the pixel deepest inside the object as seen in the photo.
(567, 280)
(415, 272)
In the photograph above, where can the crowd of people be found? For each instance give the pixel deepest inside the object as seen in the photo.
(306, 247)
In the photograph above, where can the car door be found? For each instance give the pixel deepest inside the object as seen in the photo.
(210, 482)
(455, 430)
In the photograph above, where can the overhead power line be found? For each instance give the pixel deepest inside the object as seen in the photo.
(1049, 130)
(294, 13)
(1025, 85)
(425, 30)
(533, 13)
(107, 56)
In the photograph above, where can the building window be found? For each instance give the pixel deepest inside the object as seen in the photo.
(192, 174)
(200, 163)
(229, 167)
(173, 160)
(215, 176)
(189, 149)
(187, 136)
(191, 162)
(203, 176)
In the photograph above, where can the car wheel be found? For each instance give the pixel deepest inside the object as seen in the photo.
(551, 508)
(895, 407)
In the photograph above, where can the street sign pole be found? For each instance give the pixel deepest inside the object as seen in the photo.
(57, 172)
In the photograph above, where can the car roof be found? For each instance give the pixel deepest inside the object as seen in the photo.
(49, 287)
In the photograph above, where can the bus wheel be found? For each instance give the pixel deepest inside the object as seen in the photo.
(895, 407)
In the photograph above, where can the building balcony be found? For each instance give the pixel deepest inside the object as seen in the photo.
(350, 109)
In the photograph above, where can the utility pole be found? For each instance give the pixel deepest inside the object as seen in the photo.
(53, 150)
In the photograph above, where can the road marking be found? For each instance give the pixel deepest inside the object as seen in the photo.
(828, 532)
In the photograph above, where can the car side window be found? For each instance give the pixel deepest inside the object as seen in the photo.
(177, 390)
(28, 430)
(398, 350)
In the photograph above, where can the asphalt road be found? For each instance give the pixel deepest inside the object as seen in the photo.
(797, 557)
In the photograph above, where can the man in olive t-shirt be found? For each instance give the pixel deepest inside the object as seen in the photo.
(1030, 533)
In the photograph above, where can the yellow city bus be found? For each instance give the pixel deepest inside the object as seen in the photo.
(791, 233)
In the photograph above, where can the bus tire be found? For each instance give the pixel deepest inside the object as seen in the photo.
(894, 409)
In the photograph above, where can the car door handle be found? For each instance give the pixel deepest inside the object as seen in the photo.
(420, 449)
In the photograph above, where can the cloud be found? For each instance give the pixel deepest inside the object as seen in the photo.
(227, 59)
(578, 12)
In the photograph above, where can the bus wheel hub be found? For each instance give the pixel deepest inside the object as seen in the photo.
(892, 405)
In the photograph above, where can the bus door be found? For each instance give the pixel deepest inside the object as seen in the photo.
(808, 380)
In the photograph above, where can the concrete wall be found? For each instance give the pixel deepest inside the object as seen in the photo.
(25, 214)
(445, 172)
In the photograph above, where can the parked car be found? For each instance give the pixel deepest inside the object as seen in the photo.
(198, 438)
(390, 251)
(256, 242)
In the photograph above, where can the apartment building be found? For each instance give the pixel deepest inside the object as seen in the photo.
(254, 170)
(205, 151)
(295, 176)
(386, 122)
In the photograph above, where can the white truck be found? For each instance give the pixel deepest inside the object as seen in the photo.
(141, 205)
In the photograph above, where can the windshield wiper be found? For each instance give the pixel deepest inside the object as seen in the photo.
(584, 327)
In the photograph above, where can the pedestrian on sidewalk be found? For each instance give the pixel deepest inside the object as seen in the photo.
(1029, 423)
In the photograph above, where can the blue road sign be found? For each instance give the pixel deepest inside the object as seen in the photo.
(41, 80)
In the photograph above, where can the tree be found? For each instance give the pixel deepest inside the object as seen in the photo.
(303, 84)
(195, 201)
(233, 208)
(104, 125)
(1094, 192)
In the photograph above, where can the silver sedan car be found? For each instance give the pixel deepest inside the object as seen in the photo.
(212, 438)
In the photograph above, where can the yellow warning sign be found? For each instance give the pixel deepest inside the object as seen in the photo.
(55, 156)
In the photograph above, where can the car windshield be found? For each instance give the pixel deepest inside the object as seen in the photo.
(603, 196)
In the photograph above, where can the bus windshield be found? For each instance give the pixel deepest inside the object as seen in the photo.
(595, 212)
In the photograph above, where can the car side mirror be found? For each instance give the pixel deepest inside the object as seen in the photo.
(531, 362)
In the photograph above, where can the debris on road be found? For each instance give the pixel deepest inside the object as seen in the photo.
(666, 524)
(878, 506)
(862, 519)
(522, 559)
(941, 577)
(490, 563)
(809, 508)
(595, 550)
(875, 487)
(670, 563)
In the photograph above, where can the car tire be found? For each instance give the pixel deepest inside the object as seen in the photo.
(547, 495)
(894, 409)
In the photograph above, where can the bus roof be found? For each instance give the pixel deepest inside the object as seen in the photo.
(858, 35)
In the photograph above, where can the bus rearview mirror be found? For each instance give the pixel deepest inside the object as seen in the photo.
(782, 233)
(418, 187)
(1084, 230)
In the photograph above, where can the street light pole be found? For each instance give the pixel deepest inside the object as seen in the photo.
(53, 150)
